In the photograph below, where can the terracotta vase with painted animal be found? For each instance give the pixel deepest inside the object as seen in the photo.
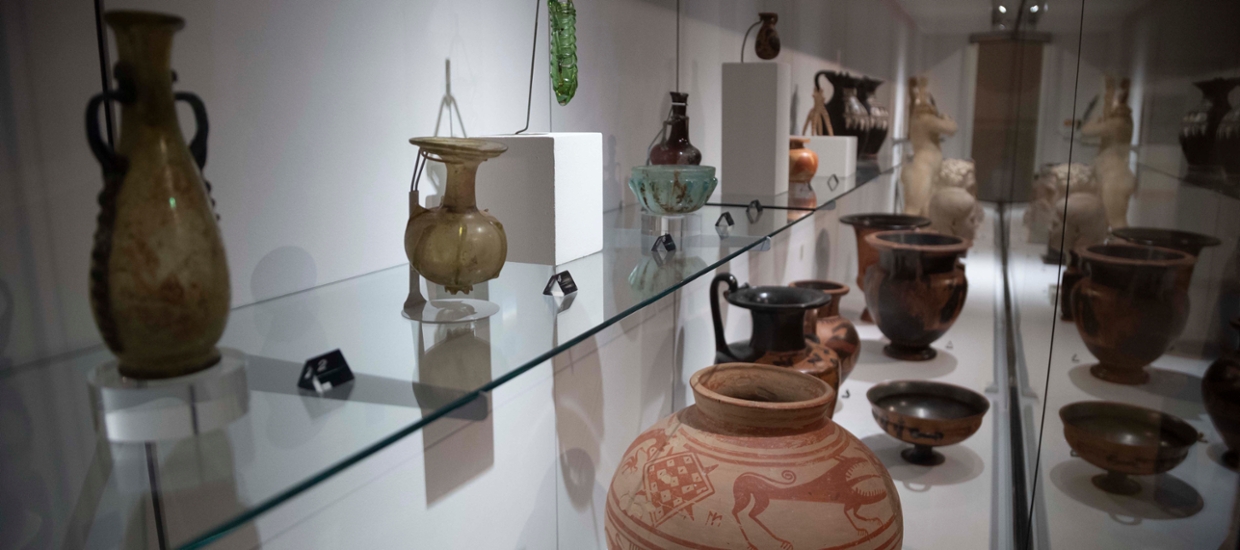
(754, 463)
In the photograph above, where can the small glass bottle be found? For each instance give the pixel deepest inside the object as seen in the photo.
(676, 148)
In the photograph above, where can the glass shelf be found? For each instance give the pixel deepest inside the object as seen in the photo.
(408, 374)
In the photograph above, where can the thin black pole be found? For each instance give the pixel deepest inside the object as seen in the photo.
(529, 101)
(101, 38)
(677, 46)
(152, 472)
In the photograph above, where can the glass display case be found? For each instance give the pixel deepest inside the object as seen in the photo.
(929, 275)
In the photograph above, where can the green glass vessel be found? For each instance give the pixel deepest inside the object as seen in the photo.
(673, 189)
(563, 49)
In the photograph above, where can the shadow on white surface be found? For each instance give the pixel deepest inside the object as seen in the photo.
(873, 366)
(1169, 391)
(1215, 451)
(1162, 497)
(962, 464)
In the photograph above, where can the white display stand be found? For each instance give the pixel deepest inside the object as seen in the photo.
(836, 155)
(547, 190)
(131, 410)
(756, 105)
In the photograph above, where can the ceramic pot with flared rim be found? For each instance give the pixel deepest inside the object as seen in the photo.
(865, 224)
(1130, 306)
(926, 414)
(455, 244)
(779, 337)
(1125, 440)
(1220, 392)
(159, 281)
(1184, 241)
(802, 161)
(754, 463)
(832, 329)
(916, 289)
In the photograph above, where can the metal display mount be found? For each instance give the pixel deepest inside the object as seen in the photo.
(723, 226)
(755, 207)
(665, 241)
(324, 372)
(131, 410)
(833, 182)
(567, 287)
(564, 280)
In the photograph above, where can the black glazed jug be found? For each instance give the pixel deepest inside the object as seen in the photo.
(779, 320)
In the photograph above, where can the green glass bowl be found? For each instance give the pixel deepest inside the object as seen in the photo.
(672, 189)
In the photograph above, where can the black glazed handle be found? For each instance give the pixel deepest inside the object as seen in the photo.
(197, 145)
(818, 86)
(721, 344)
(112, 163)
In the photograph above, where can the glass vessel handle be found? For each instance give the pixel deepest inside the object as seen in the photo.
(197, 145)
(112, 163)
(721, 344)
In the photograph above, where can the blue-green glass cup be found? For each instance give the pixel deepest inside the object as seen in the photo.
(672, 189)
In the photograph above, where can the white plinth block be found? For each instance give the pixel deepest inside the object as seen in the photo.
(756, 106)
(547, 190)
(836, 155)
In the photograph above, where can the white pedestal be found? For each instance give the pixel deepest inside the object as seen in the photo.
(756, 105)
(547, 190)
(836, 155)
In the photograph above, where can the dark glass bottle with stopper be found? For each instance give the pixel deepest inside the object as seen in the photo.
(675, 148)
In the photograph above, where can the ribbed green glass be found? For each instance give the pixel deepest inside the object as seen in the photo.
(563, 49)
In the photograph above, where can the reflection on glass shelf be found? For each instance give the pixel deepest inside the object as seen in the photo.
(1187, 506)
(90, 492)
(1214, 180)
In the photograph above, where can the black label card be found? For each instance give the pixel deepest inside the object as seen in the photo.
(325, 372)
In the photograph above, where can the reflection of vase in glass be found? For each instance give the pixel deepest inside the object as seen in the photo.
(159, 277)
(1130, 306)
(778, 336)
(880, 117)
(455, 244)
(766, 45)
(1200, 125)
(1227, 143)
(652, 277)
(1220, 392)
(676, 148)
(755, 436)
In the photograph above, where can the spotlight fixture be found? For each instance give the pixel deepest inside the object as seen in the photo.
(1002, 8)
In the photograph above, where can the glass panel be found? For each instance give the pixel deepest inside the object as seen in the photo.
(1128, 453)
(407, 374)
